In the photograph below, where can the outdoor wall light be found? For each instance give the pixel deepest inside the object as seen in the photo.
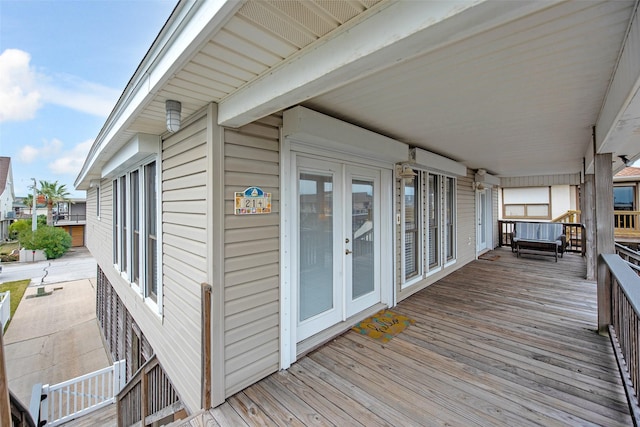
(174, 108)
(405, 172)
(625, 160)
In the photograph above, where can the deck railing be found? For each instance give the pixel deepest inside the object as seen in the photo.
(69, 219)
(82, 395)
(571, 216)
(626, 224)
(631, 257)
(148, 398)
(625, 326)
(575, 233)
(5, 307)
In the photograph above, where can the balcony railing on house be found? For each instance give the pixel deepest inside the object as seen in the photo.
(625, 326)
(79, 396)
(575, 233)
(626, 225)
(69, 219)
(149, 398)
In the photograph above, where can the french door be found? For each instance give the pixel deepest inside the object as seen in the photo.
(337, 244)
(484, 218)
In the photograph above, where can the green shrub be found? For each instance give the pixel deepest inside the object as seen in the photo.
(53, 240)
(21, 225)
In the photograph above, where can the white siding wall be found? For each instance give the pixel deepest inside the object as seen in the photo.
(175, 337)
(98, 235)
(251, 256)
(540, 181)
(184, 259)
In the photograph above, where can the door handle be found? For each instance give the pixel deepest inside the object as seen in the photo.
(347, 252)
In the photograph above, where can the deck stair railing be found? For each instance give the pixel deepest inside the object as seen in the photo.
(631, 257)
(82, 395)
(571, 216)
(624, 329)
(149, 398)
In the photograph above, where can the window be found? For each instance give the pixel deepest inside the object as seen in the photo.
(429, 211)
(98, 202)
(135, 228)
(411, 229)
(526, 203)
(151, 290)
(623, 198)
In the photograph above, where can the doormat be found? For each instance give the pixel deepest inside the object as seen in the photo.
(383, 326)
(489, 257)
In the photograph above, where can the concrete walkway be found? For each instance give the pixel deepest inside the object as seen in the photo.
(53, 338)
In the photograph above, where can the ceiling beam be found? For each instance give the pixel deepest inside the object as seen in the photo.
(382, 37)
(618, 125)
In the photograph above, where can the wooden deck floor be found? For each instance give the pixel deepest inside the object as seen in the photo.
(509, 342)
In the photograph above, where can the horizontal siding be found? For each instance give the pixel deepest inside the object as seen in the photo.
(540, 181)
(251, 256)
(184, 244)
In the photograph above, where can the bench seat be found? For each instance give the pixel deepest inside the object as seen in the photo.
(545, 238)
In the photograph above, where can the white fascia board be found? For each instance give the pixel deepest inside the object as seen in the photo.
(136, 149)
(314, 129)
(191, 25)
(437, 163)
(619, 118)
(384, 36)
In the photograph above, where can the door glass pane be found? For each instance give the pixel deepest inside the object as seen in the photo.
(433, 218)
(316, 244)
(450, 217)
(411, 203)
(362, 237)
(481, 217)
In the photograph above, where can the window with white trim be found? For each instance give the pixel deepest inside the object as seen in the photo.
(135, 228)
(429, 225)
(98, 201)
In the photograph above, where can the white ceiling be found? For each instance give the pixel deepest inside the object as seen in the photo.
(511, 87)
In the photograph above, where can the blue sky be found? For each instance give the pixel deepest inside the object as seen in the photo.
(63, 65)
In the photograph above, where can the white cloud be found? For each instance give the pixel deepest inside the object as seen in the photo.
(23, 90)
(29, 153)
(70, 162)
(80, 95)
(20, 98)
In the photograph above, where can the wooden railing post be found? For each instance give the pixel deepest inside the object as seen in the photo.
(206, 345)
(144, 399)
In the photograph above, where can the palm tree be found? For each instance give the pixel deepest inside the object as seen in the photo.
(28, 202)
(53, 194)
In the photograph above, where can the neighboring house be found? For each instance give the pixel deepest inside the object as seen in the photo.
(327, 159)
(528, 200)
(72, 217)
(25, 212)
(7, 196)
(626, 194)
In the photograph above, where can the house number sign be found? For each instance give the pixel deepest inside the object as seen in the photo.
(252, 201)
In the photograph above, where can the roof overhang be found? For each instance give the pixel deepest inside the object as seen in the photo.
(513, 88)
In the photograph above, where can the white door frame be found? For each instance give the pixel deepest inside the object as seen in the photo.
(486, 221)
(288, 259)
